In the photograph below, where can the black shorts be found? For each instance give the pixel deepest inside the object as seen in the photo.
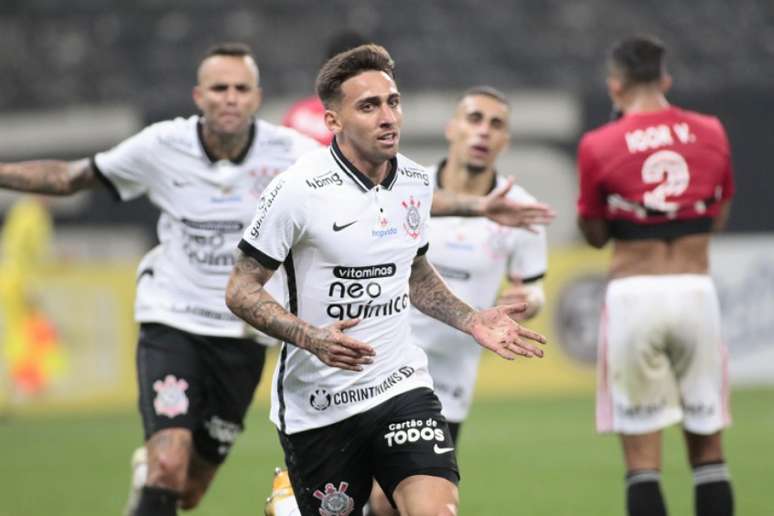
(331, 468)
(204, 384)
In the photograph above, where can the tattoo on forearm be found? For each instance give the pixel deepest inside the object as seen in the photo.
(249, 301)
(431, 296)
(47, 177)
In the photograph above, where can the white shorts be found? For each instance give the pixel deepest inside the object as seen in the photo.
(661, 356)
(454, 373)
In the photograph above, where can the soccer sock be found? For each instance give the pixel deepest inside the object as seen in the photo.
(714, 496)
(157, 501)
(643, 493)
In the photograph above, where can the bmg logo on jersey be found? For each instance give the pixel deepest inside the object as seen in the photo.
(414, 430)
(329, 178)
(413, 173)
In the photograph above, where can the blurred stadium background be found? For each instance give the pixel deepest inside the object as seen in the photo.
(76, 77)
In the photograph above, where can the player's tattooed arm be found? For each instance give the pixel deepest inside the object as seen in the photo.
(493, 328)
(432, 297)
(496, 206)
(247, 299)
(48, 176)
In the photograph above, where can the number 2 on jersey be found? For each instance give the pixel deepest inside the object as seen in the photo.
(658, 165)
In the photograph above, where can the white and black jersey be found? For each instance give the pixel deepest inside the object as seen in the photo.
(347, 247)
(474, 255)
(205, 206)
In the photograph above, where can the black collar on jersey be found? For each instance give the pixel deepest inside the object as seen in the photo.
(360, 179)
(442, 165)
(242, 154)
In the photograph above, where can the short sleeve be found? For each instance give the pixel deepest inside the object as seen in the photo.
(529, 257)
(277, 224)
(591, 203)
(127, 167)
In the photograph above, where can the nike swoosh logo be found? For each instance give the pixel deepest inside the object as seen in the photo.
(439, 451)
(336, 227)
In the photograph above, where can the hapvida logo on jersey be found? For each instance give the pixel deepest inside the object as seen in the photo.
(415, 430)
(321, 398)
(382, 230)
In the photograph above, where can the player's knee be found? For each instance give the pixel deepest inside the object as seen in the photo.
(169, 471)
(169, 454)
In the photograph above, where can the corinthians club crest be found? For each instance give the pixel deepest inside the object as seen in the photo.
(335, 502)
(171, 399)
(320, 399)
(413, 218)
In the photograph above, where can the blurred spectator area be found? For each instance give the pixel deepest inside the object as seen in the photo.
(145, 51)
(136, 61)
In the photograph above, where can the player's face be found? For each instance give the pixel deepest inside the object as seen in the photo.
(369, 116)
(479, 131)
(228, 94)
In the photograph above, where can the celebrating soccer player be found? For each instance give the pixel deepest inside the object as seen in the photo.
(348, 224)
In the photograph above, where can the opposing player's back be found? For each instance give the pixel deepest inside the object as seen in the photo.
(655, 167)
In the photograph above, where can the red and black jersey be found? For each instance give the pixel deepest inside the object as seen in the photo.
(661, 174)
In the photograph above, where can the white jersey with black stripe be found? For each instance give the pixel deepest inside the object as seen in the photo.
(205, 206)
(347, 247)
(473, 255)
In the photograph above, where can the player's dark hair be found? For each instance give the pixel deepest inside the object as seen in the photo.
(232, 49)
(348, 64)
(639, 59)
(487, 91)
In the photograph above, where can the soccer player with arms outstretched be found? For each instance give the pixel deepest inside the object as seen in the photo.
(658, 182)
(352, 398)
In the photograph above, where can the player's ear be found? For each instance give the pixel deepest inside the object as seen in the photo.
(197, 96)
(332, 121)
(449, 130)
(665, 84)
(258, 97)
(615, 88)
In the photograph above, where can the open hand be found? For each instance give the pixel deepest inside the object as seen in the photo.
(497, 206)
(495, 329)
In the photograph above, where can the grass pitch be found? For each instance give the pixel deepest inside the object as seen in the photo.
(531, 456)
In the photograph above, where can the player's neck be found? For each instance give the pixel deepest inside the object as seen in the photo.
(645, 102)
(224, 146)
(455, 177)
(375, 171)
